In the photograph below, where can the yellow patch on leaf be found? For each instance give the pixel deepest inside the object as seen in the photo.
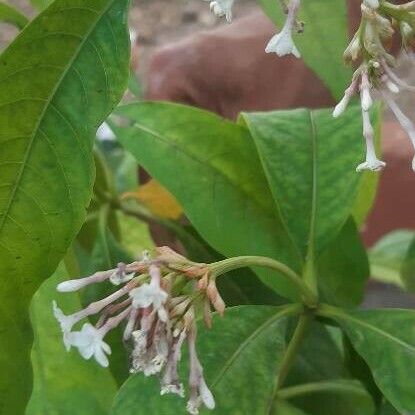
(157, 199)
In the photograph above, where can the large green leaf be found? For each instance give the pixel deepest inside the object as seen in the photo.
(323, 41)
(243, 349)
(64, 383)
(309, 161)
(390, 256)
(212, 168)
(284, 408)
(58, 81)
(386, 340)
(9, 14)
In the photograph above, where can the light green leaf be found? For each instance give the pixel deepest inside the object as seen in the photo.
(324, 39)
(58, 81)
(9, 14)
(64, 383)
(309, 159)
(243, 349)
(386, 340)
(388, 255)
(211, 166)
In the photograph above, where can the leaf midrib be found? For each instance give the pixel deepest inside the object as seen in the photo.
(46, 107)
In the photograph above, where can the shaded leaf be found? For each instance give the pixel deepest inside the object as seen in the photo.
(243, 349)
(41, 4)
(343, 268)
(9, 14)
(342, 397)
(386, 340)
(408, 268)
(64, 383)
(59, 80)
(284, 408)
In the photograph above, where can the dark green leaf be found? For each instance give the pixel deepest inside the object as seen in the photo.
(309, 159)
(342, 397)
(211, 166)
(59, 80)
(386, 340)
(9, 14)
(343, 268)
(64, 383)
(244, 349)
(284, 408)
(324, 39)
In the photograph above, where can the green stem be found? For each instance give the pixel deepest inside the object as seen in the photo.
(325, 386)
(293, 348)
(230, 264)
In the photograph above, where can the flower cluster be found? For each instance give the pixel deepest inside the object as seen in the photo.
(375, 76)
(157, 300)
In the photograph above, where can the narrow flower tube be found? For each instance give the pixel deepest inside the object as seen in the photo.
(344, 102)
(77, 284)
(372, 162)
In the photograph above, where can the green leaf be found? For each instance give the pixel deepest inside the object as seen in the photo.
(284, 408)
(9, 14)
(41, 4)
(342, 396)
(59, 80)
(220, 186)
(324, 39)
(343, 268)
(64, 383)
(408, 268)
(320, 362)
(243, 349)
(386, 340)
(309, 159)
(389, 255)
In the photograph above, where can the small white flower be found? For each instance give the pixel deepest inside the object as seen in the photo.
(282, 44)
(119, 276)
(89, 343)
(149, 294)
(374, 4)
(70, 286)
(371, 163)
(222, 8)
(66, 323)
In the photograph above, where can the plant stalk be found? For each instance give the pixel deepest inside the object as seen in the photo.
(230, 264)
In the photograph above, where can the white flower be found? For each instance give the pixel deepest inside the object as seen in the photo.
(151, 294)
(282, 44)
(222, 8)
(119, 276)
(89, 343)
(371, 163)
(374, 4)
(344, 102)
(66, 323)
